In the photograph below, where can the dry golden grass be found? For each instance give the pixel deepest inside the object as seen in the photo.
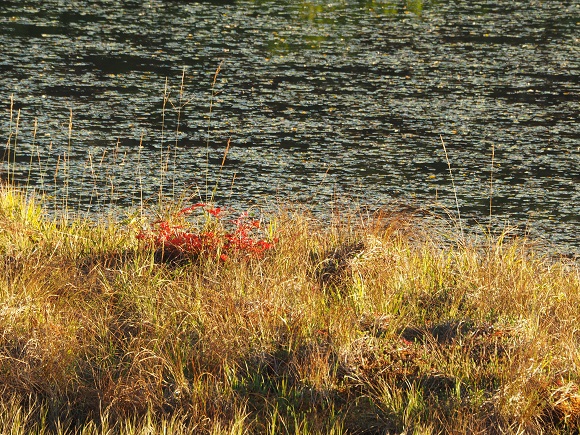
(366, 324)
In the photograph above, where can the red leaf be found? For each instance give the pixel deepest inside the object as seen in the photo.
(214, 211)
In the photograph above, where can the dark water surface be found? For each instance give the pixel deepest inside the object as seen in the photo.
(319, 99)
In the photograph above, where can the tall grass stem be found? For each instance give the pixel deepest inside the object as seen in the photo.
(454, 188)
(162, 158)
(180, 107)
(491, 186)
(211, 104)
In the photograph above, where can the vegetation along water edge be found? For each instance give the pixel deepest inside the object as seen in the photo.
(208, 321)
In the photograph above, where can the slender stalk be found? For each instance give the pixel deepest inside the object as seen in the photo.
(140, 176)
(112, 172)
(215, 187)
(491, 186)
(180, 107)
(14, 149)
(55, 184)
(454, 189)
(162, 162)
(10, 133)
(41, 170)
(93, 176)
(34, 146)
(66, 164)
(211, 103)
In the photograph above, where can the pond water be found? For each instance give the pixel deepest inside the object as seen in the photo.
(106, 101)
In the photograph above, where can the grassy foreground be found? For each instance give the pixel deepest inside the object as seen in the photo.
(368, 324)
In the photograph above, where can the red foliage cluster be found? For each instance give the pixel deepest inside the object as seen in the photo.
(174, 242)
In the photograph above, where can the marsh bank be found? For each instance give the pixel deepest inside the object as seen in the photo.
(318, 99)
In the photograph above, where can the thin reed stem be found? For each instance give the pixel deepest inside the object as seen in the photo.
(454, 188)
(180, 107)
(211, 103)
(112, 172)
(93, 176)
(34, 146)
(161, 169)
(215, 187)
(9, 141)
(56, 184)
(66, 167)
(44, 171)
(491, 186)
(14, 149)
(140, 176)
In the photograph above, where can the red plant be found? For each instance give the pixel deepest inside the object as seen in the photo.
(174, 242)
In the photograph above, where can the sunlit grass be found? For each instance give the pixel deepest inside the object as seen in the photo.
(368, 323)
